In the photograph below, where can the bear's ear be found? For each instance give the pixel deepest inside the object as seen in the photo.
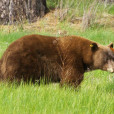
(110, 45)
(94, 46)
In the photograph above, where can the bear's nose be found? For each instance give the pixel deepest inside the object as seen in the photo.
(110, 70)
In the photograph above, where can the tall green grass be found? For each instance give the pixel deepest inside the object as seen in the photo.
(95, 96)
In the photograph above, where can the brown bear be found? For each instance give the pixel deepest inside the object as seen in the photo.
(58, 59)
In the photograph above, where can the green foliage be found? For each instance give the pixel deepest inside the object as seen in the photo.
(111, 10)
(52, 3)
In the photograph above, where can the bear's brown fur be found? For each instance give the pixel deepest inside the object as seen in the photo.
(59, 59)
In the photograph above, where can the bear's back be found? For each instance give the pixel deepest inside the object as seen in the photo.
(29, 56)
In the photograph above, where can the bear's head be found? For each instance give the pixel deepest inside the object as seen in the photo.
(102, 57)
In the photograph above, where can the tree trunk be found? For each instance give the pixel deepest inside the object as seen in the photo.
(20, 10)
(107, 1)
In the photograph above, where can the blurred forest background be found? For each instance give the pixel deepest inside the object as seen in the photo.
(92, 19)
(82, 13)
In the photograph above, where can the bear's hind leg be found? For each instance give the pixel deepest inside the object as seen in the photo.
(71, 77)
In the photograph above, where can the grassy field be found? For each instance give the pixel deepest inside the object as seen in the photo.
(96, 95)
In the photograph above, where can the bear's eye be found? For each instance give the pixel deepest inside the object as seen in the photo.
(106, 57)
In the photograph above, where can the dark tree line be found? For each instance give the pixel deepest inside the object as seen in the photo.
(18, 10)
(108, 1)
(12, 11)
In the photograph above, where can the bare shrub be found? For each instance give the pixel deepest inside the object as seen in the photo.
(73, 9)
(89, 15)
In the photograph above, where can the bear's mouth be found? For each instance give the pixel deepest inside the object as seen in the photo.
(87, 68)
(109, 66)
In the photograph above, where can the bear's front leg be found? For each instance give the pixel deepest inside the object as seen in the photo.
(71, 76)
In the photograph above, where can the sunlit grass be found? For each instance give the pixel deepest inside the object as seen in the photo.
(96, 93)
(95, 96)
